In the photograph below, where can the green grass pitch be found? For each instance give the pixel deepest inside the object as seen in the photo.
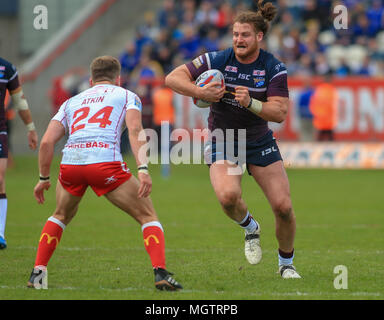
(340, 221)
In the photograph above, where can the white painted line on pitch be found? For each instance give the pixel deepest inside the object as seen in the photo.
(302, 251)
(185, 291)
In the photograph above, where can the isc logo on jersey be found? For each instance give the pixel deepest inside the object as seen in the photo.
(244, 76)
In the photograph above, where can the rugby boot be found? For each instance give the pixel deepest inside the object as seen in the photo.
(252, 246)
(38, 279)
(288, 272)
(164, 281)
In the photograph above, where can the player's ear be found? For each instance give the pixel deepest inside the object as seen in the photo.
(118, 81)
(91, 81)
(259, 36)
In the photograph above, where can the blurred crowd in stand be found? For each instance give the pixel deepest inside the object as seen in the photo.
(303, 36)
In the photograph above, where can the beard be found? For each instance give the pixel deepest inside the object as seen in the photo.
(245, 53)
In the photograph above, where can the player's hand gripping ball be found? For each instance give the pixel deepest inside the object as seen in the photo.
(206, 77)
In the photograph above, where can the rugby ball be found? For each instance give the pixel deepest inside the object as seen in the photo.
(206, 77)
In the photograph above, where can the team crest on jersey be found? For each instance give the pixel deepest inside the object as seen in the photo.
(138, 102)
(231, 69)
(198, 62)
(259, 81)
(258, 73)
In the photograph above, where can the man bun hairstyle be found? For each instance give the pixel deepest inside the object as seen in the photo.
(259, 19)
(105, 68)
(268, 11)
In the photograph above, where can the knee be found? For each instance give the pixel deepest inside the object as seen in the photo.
(229, 198)
(283, 209)
(63, 217)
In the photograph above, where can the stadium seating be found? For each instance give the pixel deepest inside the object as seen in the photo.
(309, 19)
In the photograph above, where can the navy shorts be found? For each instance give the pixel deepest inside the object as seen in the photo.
(3, 145)
(262, 152)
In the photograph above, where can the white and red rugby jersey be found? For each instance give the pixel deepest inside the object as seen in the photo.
(94, 120)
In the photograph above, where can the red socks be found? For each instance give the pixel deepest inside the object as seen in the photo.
(154, 243)
(153, 236)
(49, 239)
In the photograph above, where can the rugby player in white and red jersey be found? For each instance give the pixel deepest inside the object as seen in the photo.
(94, 121)
(9, 81)
(256, 92)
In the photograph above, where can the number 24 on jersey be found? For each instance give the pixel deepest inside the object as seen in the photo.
(101, 117)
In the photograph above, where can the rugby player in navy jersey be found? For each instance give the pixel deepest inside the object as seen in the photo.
(255, 92)
(9, 80)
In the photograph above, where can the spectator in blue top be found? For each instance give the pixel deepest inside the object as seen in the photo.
(343, 69)
(141, 40)
(190, 43)
(305, 115)
(375, 16)
(212, 41)
(129, 58)
(168, 9)
(365, 68)
(363, 27)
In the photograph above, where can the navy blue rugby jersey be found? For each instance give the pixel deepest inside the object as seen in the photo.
(265, 77)
(9, 80)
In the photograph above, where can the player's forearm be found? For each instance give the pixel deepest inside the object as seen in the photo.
(26, 116)
(138, 142)
(180, 82)
(46, 153)
(273, 111)
(185, 88)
